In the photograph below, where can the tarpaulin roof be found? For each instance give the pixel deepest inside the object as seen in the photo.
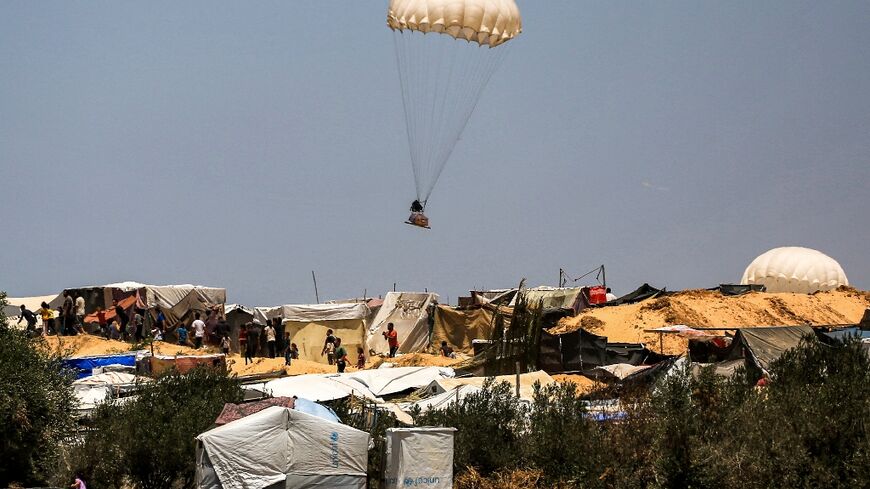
(527, 382)
(645, 291)
(371, 384)
(765, 345)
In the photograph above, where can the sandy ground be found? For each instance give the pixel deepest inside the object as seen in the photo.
(702, 308)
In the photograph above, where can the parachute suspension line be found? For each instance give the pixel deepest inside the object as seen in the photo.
(442, 80)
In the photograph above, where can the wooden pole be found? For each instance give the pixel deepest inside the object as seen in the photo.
(316, 294)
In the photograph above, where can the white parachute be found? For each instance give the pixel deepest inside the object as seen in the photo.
(447, 50)
(795, 269)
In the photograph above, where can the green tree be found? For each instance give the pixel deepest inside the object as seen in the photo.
(149, 442)
(36, 406)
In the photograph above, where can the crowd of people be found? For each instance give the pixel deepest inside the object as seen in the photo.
(119, 324)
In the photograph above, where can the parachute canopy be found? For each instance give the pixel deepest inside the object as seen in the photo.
(489, 22)
(442, 75)
(795, 269)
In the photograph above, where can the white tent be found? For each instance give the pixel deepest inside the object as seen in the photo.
(282, 445)
(795, 269)
(371, 384)
(409, 313)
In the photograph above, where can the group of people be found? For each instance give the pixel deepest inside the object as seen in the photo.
(66, 320)
(249, 341)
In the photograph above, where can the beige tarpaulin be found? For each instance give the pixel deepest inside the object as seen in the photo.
(459, 327)
(310, 336)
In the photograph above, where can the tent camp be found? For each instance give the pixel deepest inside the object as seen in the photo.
(176, 301)
(282, 447)
(410, 313)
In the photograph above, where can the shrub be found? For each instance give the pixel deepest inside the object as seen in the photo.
(36, 402)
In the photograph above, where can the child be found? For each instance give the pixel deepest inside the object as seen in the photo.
(288, 349)
(181, 331)
(225, 344)
(294, 351)
(360, 358)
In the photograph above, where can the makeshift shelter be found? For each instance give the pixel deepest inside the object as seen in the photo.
(237, 316)
(176, 301)
(582, 351)
(762, 346)
(308, 324)
(644, 292)
(282, 446)
(459, 327)
(186, 363)
(371, 384)
(96, 389)
(527, 382)
(410, 314)
(85, 366)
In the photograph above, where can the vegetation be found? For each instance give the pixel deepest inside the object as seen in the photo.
(149, 442)
(807, 428)
(35, 407)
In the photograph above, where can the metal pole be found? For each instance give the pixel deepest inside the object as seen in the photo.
(518, 379)
(316, 295)
(604, 277)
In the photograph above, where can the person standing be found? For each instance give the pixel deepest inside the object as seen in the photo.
(101, 320)
(68, 314)
(80, 312)
(270, 338)
(392, 338)
(181, 331)
(225, 344)
(340, 356)
(139, 323)
(250, 343)
(160, 320)
(198, 330)
(360, 358)
(123, 319)
(329, 347)
(288, 350)
(47, 315)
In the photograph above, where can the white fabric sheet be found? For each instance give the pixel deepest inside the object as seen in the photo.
(409, 313)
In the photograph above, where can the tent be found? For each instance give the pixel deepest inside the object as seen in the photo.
(237, 316)
(96, 389)
(410, 313)
(307, 325)
(371, 384)
(459, 327)
(282, 446)
(527, 382)
(762, 346)
(421, 457)
(177, 301)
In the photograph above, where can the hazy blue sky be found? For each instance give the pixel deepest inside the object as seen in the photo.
(245, 144)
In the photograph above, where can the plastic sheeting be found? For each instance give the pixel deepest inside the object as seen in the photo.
(419, 457)
(280, 444)
(409, 313)
(527, 382)
(795, 269)
(371, 384)
(84, 366)
(765, 345)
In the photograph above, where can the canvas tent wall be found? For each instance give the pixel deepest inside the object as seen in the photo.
(282, 447)
(409, 313)
(459, 327)
(308, 324)
(762, 346)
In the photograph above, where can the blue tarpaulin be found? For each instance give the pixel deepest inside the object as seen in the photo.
(84, 366)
